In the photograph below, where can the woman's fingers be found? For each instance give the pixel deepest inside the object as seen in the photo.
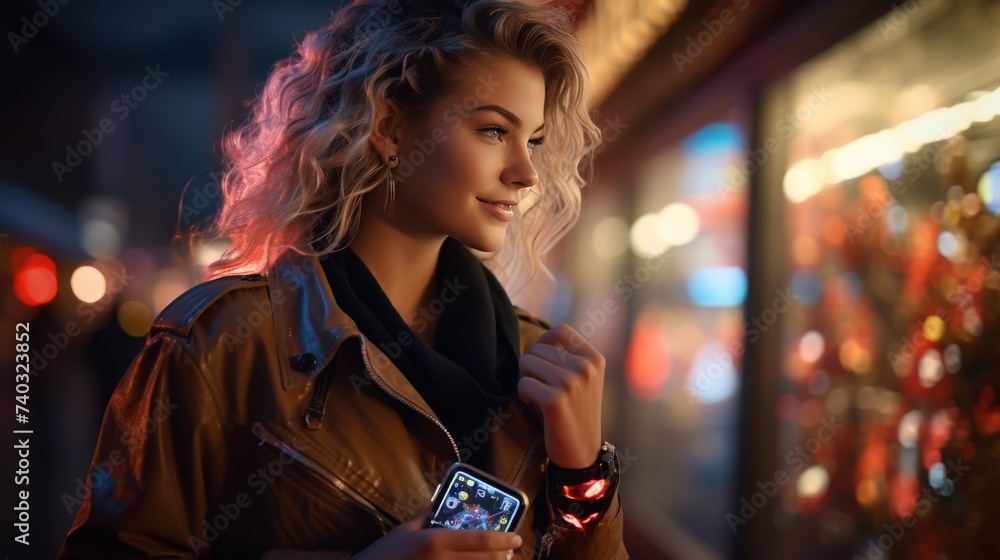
(563, 337)
(540, 365)
(532, 390)
(564, 375)
(474, 540)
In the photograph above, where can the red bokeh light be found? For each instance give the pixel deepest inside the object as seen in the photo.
(647, 361)
(35, 280)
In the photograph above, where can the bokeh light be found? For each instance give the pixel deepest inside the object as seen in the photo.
(678, 224)
(35, 281)
(88, 284)
(135, 318)
(644, 236)
(812, 346)
(989, 188)
(930, 369)
(610, 237)
(909, 428)
(813, 482)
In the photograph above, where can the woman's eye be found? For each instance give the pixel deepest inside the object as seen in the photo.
(500, 132)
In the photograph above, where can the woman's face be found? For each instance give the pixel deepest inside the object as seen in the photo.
(474, 148)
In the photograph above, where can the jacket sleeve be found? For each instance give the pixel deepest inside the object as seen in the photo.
(603, 541)
(297, 554)
(160, 451)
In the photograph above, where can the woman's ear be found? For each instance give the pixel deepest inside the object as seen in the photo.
(384, 136)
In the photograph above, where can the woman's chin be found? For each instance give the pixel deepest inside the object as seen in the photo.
(483, 244)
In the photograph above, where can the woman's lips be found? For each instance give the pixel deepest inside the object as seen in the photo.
(503, 212)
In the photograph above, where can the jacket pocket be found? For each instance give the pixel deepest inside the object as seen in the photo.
(318, 477)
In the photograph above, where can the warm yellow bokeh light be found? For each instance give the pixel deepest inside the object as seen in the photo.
(933, 328)
(135, 318)
(88, 284)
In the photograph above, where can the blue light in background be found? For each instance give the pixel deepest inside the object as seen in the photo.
(713, 139)
(702, 175)
(706, 154)
(718, 286)
(989, 188)
(896, 219)
(713, 375)
(854, 284)
(892, 170)
(806, 286)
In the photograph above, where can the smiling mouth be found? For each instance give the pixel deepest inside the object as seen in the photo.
(502, 211)
(508, 207)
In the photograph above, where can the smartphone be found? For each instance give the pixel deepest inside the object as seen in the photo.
(469, 498)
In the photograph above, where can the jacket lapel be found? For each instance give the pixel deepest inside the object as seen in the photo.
(309, 322)
(309, 325)
(387, 371)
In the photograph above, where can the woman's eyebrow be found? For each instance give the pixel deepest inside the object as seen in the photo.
(506, 114)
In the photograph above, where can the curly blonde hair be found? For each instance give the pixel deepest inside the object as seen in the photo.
(295, 173)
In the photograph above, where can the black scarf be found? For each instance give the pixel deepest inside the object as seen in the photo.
(472, 368)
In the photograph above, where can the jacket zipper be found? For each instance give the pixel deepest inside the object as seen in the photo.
(546, 540)
(545, 544)
(520, 471)
(400, 398)
(527, 461)
(317, 406)
(261, 432)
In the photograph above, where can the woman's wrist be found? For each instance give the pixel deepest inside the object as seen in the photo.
(602, 466)
(581, 497)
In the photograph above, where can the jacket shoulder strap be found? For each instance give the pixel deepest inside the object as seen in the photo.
(178, 316)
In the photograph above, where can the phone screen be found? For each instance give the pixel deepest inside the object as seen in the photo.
(472, 503)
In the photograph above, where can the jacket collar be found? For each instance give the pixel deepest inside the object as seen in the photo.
(311, 328)
(309, 325)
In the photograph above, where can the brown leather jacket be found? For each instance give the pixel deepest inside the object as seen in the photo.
(259, 421)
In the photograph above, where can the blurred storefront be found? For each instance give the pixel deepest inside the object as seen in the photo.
(793, 251)
(890, 234)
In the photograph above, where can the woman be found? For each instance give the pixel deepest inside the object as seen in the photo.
(285, 407)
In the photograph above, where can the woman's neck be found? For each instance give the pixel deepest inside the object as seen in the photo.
(403, 265)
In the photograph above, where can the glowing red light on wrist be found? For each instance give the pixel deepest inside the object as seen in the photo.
(590, 490)
(579, 523)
